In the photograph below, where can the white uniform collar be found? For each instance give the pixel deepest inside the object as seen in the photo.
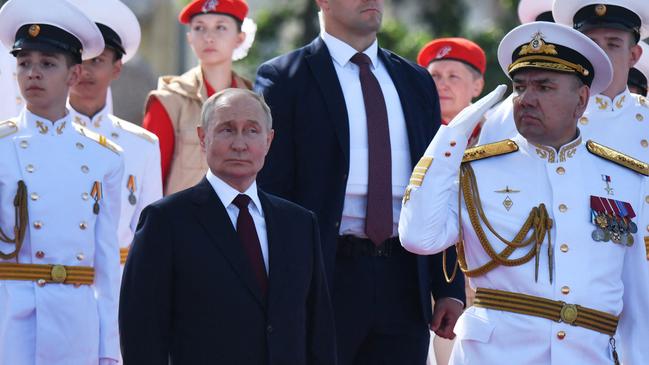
(97, 122)
(547, 153)
(42, 126)
(227, 193)
(602, 103)
(342, 52)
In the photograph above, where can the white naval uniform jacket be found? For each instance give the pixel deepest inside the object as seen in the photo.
(602, 276)
(141, 161)
(60, 324)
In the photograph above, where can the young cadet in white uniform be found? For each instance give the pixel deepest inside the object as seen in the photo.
(555, 259)
(499, 121)
(59, 200)
(142, 182)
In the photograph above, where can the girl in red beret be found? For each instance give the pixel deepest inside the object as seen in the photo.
(219, 33)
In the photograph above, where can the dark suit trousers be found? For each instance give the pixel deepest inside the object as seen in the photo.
(377, 310)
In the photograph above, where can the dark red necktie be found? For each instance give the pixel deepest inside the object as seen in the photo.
(378, 218)
(250, 241)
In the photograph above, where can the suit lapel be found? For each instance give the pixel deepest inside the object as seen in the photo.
(214, 218)
(322, 69)
(277, 245)
(412, 126)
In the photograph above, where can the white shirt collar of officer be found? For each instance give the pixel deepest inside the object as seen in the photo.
(547, 153)
(227, 193)
(97, 122)
(43, 126)
(602, 103)
(342, 52)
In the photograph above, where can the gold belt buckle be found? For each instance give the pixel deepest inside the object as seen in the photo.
(569, 313)
(59, 273)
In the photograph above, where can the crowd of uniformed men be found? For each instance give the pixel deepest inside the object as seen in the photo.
(542, 198)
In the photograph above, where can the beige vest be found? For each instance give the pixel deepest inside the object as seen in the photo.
(182, 97)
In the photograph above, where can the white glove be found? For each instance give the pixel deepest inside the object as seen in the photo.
(466, 121)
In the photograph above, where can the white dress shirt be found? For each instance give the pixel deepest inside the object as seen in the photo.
(227, 194)
(353, 218)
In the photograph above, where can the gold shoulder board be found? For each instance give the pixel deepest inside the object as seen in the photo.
(7, 128)
(489, 150)
(137, 130)
(102, 140)
(617, 157)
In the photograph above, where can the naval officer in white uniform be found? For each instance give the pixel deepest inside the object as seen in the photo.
(59, 200)
(555, 259)
(142, 182)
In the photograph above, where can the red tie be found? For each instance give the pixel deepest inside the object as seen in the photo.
(250, 241)
(378, 216)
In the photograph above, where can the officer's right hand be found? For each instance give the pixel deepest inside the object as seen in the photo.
(470, 116)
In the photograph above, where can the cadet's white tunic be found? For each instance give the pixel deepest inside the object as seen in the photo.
(141, 161)
(60, 324)
(601, 276)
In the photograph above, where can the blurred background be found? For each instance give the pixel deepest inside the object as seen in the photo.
(283, 25)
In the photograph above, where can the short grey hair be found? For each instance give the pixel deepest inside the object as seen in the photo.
(207, 113)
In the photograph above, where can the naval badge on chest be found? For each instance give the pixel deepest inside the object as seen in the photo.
(613, 220)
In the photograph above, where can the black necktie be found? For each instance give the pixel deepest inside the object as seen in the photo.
(250, 241)
(378, 218)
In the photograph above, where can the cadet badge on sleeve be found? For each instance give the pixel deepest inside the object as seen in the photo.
(613, 220)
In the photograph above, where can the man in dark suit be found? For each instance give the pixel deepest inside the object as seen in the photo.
(352, 119)
(223, 273)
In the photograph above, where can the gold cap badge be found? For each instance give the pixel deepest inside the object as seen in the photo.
(600, 10)
(538, 45)
(34, 30)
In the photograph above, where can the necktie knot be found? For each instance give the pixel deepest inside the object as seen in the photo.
(241, 201)
(361, 59)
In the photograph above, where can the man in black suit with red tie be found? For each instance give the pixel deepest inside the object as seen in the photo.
(351, 120)
(223, 273)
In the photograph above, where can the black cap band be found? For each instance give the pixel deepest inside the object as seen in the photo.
(545, 17)
(45, 37)
(112, 39)
(551, 57)
(637, 79)
(607, 16)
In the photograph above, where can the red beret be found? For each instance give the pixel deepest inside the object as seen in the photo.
(458, 49)
(235, 8)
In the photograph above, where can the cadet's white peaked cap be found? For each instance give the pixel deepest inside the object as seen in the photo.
(587, 14)
(554, 47)
(49, 25)
(124, 32)
(534, 10)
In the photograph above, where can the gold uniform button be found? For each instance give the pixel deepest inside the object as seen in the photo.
(41, 282)
(565, 290)
(85, 169)
(34, 196)
(564, 248)
(80, 257)
(563, 208)
(646, 199)
(583, 120)
(647, 228)
(80, 145)
(40, 254)
(561, 170)
(447, 154)
(30, 168)
(83, 225)
(561, 335)
(639, 117)
(644, 143)
(38, 224)
(85, 196)
(24, 144)
(453, 143)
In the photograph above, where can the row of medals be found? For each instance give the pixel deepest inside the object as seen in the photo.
(615, 229)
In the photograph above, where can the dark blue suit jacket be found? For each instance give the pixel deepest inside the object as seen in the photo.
(189, 295)
(308, 161)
